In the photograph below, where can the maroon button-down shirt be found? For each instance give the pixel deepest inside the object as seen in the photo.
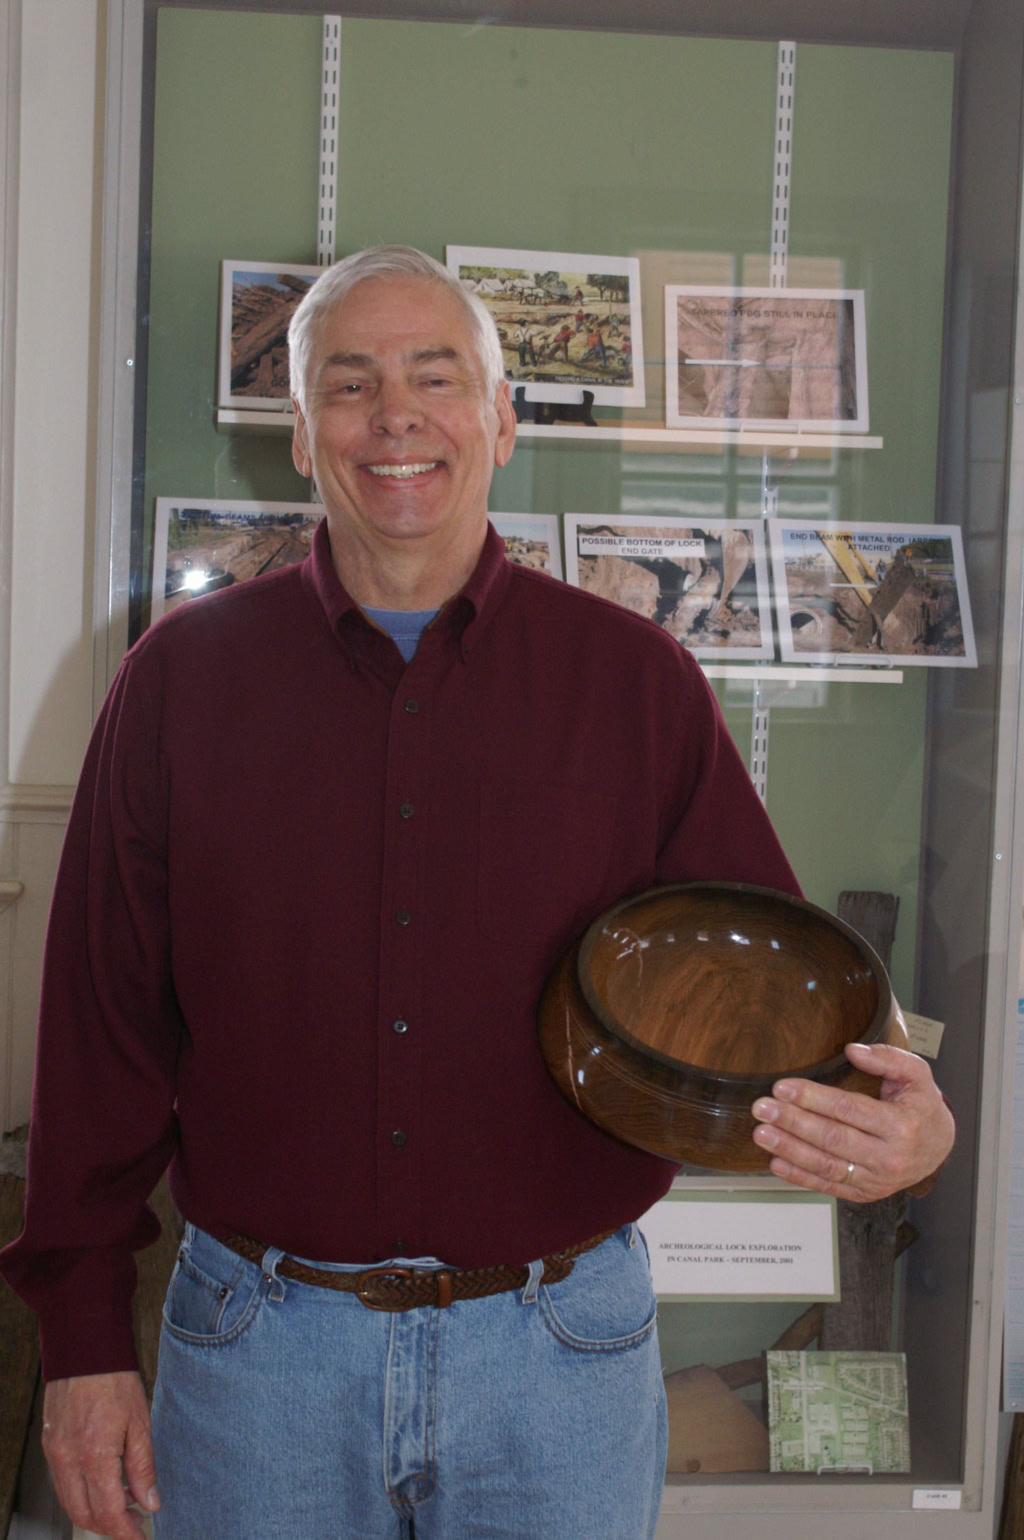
(308, 899)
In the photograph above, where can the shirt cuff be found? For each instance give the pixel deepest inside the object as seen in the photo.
(72, 1343)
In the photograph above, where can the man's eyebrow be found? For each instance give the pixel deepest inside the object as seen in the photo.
(367, 361)
(432, 355)
(347, 361)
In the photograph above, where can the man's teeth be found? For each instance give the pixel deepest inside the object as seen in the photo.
(403, 470)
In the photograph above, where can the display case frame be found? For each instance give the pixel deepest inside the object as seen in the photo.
(986, 980)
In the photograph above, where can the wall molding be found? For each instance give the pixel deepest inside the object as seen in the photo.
(20, 802)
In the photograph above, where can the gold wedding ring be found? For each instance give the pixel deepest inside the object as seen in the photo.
(850, 1169)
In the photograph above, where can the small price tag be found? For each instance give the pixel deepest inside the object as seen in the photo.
(936, 1497)
(925, 1035)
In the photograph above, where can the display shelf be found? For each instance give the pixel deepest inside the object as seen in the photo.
(651, 435)
(235, 420)
(806, 673)
(655, 435)
(690, 1180)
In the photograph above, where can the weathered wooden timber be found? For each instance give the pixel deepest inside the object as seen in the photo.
(869, 1233)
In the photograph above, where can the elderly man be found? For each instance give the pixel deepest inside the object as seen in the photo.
(334, 828)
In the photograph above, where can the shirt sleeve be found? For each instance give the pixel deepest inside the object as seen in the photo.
(103, 1124)
(714, 825)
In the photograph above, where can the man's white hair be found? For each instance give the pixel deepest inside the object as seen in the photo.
(388, 262)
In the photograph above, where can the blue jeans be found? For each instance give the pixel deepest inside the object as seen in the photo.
(284, 1411)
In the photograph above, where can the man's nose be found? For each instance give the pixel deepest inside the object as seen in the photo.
(396, 409)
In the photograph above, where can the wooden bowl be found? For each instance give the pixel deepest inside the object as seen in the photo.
(682, 1005)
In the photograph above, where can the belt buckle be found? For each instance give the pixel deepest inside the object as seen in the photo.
(365, 1283)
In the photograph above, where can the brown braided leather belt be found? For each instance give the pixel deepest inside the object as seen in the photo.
(410, 1288)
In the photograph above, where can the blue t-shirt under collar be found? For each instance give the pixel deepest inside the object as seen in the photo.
(405, 627)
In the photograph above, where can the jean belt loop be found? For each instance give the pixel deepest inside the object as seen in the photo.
(634, 1235)
(271, 1257)
(533, 1283)
(188, 1235)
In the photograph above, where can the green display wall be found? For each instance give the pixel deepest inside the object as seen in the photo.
(647, 145)
(581, 141)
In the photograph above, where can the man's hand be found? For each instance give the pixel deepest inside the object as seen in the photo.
(95, 1426)
(816, 1133)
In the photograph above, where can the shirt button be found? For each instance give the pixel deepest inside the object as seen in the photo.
(398, 1137)
(403, 916)
(401, 1027)
(412, 706)
(407, 810)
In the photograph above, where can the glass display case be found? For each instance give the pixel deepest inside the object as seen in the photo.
(877, 157)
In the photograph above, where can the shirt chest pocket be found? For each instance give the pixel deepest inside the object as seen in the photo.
(545, 860)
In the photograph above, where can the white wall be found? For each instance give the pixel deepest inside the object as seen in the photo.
(51, 167)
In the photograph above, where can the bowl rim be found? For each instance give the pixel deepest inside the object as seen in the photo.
(823, 1070)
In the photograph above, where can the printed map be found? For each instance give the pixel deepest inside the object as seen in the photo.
(838, 1411)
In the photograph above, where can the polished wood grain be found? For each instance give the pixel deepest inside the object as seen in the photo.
(680, 1006)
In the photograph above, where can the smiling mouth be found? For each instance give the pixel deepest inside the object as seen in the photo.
(401, 472)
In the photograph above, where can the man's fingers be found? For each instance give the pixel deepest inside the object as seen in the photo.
(904, 1077)
(814, 1144)
(97, 1506)
(139, 1466)
(813, 1132)
(826, 1117)
(92, 1427)
(108, 1509)
(857, 1189)
(824, 1164)
(893, 1064)
(902, 1074)
(826, 1144)
(828, 1162)
(71, 1494)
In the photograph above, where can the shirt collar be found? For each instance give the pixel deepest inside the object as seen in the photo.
(471, 608)
(319, 572)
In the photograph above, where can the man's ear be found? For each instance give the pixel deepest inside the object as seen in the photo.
(505, 442)
(301, 457)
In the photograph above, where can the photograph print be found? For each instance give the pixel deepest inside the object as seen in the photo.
(201, 545)
(706, 584)
(768, 358)
(531, 540)
(257, 301)
(567, 321)
(892, 593)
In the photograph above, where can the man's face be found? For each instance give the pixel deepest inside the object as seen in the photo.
(400, 431)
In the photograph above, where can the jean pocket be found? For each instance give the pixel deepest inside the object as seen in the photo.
(607, 1303)
(213, 1296)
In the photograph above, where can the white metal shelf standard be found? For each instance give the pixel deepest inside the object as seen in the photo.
(782, 167)
(327, 208)
(327, 202)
